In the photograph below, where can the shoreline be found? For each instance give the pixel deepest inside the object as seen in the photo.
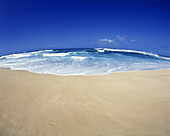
(84, 75)
(118, 104)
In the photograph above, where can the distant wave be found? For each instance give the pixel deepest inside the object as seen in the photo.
(35, 52)
(55, 54)
(130, 51)
(78, 58)
(15, 56)
(84, 61)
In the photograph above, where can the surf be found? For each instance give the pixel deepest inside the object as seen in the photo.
(96, 61)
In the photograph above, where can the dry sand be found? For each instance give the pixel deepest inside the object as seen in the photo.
(119, 104)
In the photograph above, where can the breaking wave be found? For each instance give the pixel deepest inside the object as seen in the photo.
(84, 61)
(130, 51)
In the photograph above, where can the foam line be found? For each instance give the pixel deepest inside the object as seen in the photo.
(55, 54)
(104, 61)
(130, 51)
(78, 58)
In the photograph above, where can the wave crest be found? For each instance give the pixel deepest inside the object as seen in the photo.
(84, 61)
(78, 58)
(131, 51)
(55, 54)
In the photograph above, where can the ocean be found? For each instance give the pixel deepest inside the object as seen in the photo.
(97, 61)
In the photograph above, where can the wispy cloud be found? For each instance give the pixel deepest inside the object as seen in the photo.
(106, 40)
(118, 40)
(133, 40)
(121, 37)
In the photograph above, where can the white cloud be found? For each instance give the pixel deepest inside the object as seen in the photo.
(121, 37)
(106, 40)
(133, 40)
(118, 40)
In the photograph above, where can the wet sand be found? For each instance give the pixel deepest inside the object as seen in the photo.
(119, 104)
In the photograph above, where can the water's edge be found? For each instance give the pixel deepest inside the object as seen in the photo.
(109, 74)
(77, 61)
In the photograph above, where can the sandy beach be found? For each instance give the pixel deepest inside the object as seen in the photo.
(119, 104)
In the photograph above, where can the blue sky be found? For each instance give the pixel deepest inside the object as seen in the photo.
(27, 25)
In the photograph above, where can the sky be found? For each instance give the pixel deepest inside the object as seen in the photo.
(27, 25)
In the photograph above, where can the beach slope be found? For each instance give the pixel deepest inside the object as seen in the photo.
(119, 104)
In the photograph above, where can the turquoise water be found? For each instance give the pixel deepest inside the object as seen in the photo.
(84, 61)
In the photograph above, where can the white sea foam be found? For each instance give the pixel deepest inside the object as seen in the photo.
(78, 58)
(55, 54)
(36, 52)
(2, 57)
(131, 51)
(24, 54)
(71, 63)
(14, 56)
(100, 50)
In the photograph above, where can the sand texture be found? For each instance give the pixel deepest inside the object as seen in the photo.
(119, 104)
